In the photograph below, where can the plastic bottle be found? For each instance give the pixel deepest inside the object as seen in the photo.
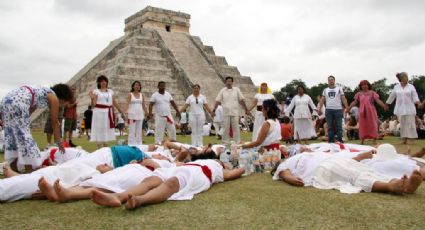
(225, 158)
(243, 162)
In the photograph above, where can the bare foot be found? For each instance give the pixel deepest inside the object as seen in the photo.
(413, 182)
(105, 199)
(397, 185)
(420, 153)
(132, 202)
(8, 172)
(47, 189)
(61, 192)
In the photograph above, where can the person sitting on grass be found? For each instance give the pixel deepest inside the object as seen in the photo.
(327, 171)
(270, 132)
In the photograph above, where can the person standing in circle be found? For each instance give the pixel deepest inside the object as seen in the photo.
(197, 103)
(264, 93)
(334, 97)
(303, 123)
(367, 117)
(406, 97)
(103, 120)
(136, 111)
(88, 114)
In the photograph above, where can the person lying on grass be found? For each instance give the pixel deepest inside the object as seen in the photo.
(179, 183)
(112, 181)
(183, 152)
(70, 173)
(328, 171)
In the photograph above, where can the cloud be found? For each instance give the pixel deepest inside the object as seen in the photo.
(48, 41)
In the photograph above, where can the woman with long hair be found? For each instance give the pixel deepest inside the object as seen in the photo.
(269, 134)
(136, 110)
(15, 111)
(368, 118)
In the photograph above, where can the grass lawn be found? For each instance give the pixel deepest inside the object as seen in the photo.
(253, 202)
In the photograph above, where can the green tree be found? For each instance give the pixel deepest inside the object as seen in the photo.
(289, 89)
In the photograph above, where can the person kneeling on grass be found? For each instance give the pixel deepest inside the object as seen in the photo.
(326, 171)
(179, 183)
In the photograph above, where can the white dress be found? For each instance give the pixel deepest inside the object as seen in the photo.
(259, 118)
(303, 123)
(135, 120)
(273, 135)
(100, 129)
(191, 179)
(196, 117)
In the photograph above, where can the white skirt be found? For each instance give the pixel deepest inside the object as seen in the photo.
(303, 129)
(258, 122)
(407, 126)
(396, 168)
(191, 181)
(120, 179)
(100, 128)
(346, 175)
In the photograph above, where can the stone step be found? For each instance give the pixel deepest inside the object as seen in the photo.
(217, 60)
(133, 59)
(136, 70)
(229, 70)
(142, 41)
(209, 50)
(146, 51)
(142, 33)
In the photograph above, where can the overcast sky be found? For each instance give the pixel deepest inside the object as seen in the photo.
(43, 42)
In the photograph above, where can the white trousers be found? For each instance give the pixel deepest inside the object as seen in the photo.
(160, 125)
(234, 122)
(135, 130)
(196, 122)
(258, 122)
(218, 126)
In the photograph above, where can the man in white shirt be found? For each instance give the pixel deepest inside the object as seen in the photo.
(230, 97)
(163, 118)
(334, 97)
(218, 121)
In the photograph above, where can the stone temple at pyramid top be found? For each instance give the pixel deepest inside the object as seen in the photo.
(158, 19)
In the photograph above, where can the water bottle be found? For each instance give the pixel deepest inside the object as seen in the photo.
(225, 158)
(242, 161)
(268, 161)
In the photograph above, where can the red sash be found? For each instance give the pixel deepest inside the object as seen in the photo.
(272, 147)
(207, 171)
(111, 114)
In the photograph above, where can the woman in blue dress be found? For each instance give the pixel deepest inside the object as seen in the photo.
(15, 110)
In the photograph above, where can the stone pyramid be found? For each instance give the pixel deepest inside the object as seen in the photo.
(157, 47)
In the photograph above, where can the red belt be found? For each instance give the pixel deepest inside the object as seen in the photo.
(272, 146)
(110, 114)
(207, 171)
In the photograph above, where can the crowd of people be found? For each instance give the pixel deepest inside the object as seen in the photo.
(138, 174)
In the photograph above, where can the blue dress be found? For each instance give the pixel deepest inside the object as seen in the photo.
(15, 112)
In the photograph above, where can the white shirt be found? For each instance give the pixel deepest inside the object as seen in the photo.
(218, 114)
(406, 99)
(274, 134)
(262, 97)
(104, 98)
(183, 118)
(196, 104)
(301, 106)
(302, 165)
(333, 97)
(206, 130)
(135, 108)
(162, 103)
(230, 99)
